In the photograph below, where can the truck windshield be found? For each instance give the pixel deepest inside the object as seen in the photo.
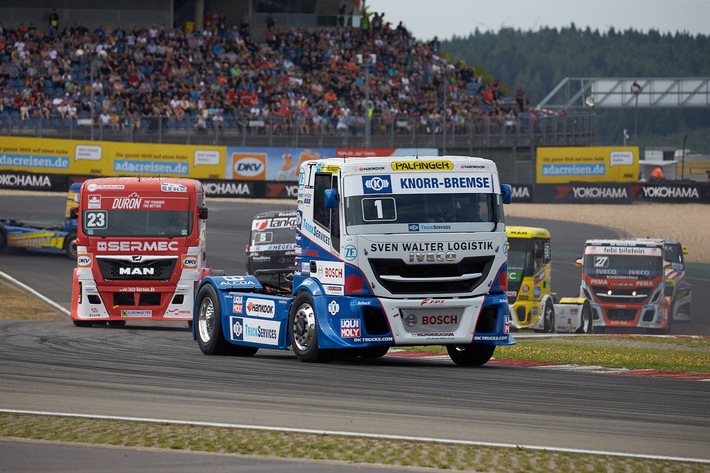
(274, 236)
(520, 255)
(137, 223)
(623, 265)
(422, 212)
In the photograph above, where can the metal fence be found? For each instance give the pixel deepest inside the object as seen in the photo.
(461, 136)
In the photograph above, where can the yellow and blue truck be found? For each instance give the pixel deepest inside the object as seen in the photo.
(47, 238)
(532, 303)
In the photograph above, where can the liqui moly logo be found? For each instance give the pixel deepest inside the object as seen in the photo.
(132, 202)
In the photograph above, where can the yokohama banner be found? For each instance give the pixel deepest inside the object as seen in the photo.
(583, 193)
(35, 182)
(672, 192)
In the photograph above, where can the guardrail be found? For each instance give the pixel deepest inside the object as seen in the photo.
(463, 134)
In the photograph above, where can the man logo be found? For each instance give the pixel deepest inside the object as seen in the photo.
(136, 258)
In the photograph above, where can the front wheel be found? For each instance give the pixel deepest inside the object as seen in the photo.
(586, 325)
(549, 317)
(3, 238)
(70, 246)
(210, 336)
(303, 331)
(470, 355)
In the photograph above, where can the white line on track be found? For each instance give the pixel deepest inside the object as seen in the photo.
(355, 434)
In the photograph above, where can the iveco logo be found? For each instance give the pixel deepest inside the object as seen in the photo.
(377, 184)
(136, 271)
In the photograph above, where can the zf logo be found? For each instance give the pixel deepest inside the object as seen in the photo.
(350, 252)
(601, 261)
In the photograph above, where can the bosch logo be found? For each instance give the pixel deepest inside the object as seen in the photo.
(410, 320)
(376, 184)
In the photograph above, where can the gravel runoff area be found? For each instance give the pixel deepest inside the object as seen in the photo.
(686, 223)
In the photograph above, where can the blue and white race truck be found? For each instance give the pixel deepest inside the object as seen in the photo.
(48, 238)
(390, 251)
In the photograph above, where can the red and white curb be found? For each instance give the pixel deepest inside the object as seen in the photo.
(551, 365)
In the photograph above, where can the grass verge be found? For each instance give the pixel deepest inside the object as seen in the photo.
(17, 305)
(403, 453)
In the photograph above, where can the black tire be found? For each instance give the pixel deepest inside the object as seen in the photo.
(70, 246)
(470, 355)
(117, 323)
(81, 323)
(303, 331)
(3, 238)
(210, 337)
(549, 317)
(209, 323)
(586, 326)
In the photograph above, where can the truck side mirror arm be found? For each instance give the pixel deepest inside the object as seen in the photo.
(74, 212)
(202, 213)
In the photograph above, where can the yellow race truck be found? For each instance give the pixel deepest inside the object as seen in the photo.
(532, 303)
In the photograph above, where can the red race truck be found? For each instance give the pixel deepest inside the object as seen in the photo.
(140, 250)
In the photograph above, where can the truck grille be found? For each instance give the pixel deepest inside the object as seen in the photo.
(145, 270)
(428, 273)
(621, 314)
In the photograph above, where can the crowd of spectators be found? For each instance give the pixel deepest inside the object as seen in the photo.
(310, 79)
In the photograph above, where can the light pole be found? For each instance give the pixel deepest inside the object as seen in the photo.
(682, 166)
(368, 114)
(93, 53)
(636, 89)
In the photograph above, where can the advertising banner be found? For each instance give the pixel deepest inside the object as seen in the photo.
(583, 193)
(104, 158)
(370, 152)
(670, 191)
(561, 165)
(270, 164)
(522, 193)
(35, 182)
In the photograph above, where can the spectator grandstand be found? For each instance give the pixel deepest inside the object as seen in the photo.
(338, 82)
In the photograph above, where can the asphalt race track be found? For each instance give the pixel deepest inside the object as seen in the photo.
(152, 370)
